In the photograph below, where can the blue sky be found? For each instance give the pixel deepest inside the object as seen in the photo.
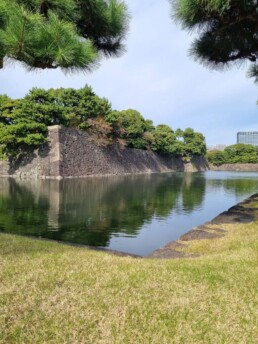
(158, 78)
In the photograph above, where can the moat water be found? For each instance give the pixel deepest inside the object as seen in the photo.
(134, 213)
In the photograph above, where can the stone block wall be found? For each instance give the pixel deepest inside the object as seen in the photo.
(42, 162)
(235, 167)
(71, 153)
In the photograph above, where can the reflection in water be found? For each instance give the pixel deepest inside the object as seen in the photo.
(243, 186)
(92, 211)
(193, 189)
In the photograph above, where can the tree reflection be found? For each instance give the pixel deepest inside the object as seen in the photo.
(100, 207)
(193, 190)
(90, 211)
(241, 186)
(23, 211)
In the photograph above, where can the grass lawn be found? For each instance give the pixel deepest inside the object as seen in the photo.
(53, 293)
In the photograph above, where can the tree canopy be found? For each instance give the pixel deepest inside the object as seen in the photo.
(235, 154)
(24, 122)
(227, 30)
(70, 34)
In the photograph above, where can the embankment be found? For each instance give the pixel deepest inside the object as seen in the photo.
(235, 167)
(242, 213)
(71, 153)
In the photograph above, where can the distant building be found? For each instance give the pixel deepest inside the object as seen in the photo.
(248, 137)
(220, 147)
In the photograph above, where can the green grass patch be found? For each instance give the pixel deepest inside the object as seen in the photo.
(54, 293)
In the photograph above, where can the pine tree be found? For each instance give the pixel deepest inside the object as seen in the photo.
(227, 30)
(70, 34)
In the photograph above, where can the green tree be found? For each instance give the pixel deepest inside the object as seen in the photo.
(164, 139)
(226, 29)
(130, 125)
(216, 157)
(42, 106)
(149, 127)
(83, 103)
(194, 143)
(179, 146)
(148, 135)
(189, 143)
(241, 153)
(23, 122)
(65, 106)
(70, 34)
(17, 130)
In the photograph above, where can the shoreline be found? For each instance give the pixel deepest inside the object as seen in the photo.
(239, 213)
(189, 167)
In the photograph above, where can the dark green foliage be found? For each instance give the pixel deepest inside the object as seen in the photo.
(137, 142)
(24, 122)
(238, 153)
(18, 131)
(42, 106)
(227, 30)
(216, 157)
(164, 139)
(149, 127)
(63, 106)
(130, 125)
(182, 143)
(70, 34)
(241, 153)
(131, 122)
(104, 23)
(80, 105)
(194, 143)
(140, 133)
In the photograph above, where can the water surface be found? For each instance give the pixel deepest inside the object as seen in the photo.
(136, 213)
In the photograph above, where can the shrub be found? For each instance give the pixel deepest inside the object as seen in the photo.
(216, 157)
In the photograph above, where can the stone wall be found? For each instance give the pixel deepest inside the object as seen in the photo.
(43, 162)
(235, 167)
(71, 153)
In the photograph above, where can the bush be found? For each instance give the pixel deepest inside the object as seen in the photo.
(216, 157)
(234, 154)
(164, 139)
(241, 153)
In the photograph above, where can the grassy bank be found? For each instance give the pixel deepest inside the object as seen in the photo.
(52, 293)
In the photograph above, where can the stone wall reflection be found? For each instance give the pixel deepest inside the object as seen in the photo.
(89, 211)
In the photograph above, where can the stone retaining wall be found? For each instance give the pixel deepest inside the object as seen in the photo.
(43, 162)
(71, 153)
(235, 167)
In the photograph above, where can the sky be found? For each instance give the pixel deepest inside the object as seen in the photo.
(157, 77)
